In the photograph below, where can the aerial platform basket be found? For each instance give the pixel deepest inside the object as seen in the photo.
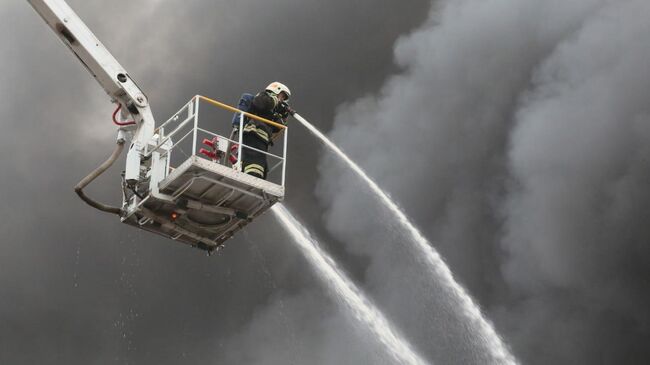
(192, 191)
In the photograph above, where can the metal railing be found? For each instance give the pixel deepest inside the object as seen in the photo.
(173, 135)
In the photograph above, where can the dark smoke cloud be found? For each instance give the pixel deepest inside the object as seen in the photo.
(513, 132)
(76, 286)
(516, 137)
(577, 216)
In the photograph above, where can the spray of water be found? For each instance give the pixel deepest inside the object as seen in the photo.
(362, 309)
(469, 309)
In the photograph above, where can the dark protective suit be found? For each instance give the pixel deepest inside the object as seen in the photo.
(259, 134)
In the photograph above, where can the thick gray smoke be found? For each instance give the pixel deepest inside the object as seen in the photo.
(76, 286)
(516, 136)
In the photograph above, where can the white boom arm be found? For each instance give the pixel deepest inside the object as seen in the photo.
(107, 71)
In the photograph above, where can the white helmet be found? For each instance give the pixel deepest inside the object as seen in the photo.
(278, 87)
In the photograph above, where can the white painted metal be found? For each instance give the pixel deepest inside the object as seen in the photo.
(159, 164)
(199, 190)
(197, 101)
(241, 141)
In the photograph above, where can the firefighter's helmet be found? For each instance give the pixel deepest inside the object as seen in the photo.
(278, 87)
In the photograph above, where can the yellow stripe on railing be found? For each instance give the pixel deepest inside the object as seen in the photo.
(235, 110)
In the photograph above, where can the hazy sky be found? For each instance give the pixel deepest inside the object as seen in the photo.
(514, 132)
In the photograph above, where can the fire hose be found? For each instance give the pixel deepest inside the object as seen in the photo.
(93, 175)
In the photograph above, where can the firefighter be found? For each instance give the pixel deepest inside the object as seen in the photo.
(272, 104)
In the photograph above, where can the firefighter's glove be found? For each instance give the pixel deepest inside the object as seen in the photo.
(289, 110)
(284, 110)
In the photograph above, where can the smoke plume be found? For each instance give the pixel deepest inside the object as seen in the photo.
(514, 135)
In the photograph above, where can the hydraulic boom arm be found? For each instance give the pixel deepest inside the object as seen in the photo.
(113, 78)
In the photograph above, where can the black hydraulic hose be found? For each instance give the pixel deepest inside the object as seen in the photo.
(93, 175)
